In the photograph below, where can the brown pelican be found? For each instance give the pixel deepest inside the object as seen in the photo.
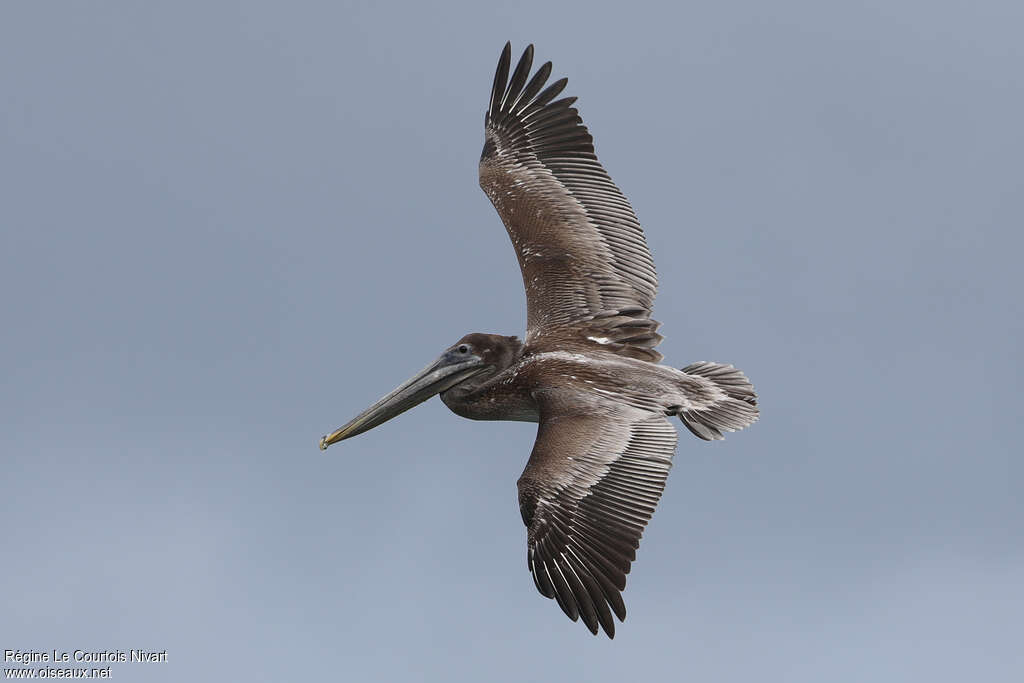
(587, 371)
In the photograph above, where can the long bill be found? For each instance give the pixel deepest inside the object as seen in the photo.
(440, 375)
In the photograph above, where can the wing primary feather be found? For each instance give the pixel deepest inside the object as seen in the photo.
(597, 560)
(536, 83)
(518, 78)
(550, 93)
(540, 577)
(612, 591)
(597, 598)
(584, 600)
(500, 78)
(563, 593)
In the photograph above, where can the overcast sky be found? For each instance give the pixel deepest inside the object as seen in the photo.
(226, 228)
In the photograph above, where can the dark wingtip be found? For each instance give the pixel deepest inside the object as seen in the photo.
(500, 79)
(518, 80)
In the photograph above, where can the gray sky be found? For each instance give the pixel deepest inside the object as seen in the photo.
(228, 227)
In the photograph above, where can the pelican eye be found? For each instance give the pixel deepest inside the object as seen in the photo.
(463, 348)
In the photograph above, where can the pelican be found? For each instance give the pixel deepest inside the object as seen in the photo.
(587, 372)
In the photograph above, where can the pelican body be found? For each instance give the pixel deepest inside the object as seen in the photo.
(588, 372)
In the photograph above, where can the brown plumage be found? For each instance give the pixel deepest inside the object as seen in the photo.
(587, 371)
(586, 267)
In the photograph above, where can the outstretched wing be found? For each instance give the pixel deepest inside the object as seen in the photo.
(588, 273)
(588, 491)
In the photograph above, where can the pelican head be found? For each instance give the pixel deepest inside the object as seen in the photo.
(475, 355)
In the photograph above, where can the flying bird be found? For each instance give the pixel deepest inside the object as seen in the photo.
(587, 370)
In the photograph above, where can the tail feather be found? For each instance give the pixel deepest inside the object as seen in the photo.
(727, 405)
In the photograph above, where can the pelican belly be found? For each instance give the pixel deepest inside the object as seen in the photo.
(501, 399)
